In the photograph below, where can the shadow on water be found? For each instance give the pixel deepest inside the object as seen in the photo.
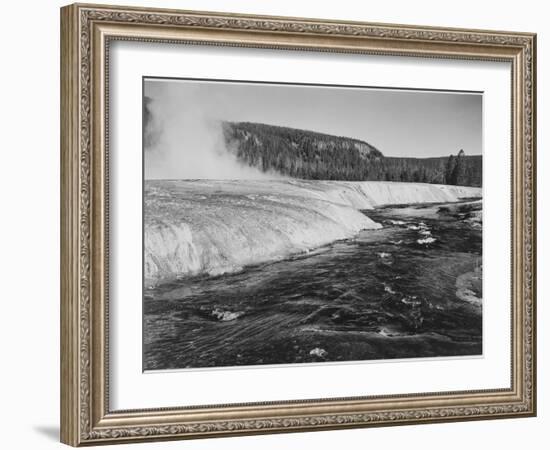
(410, 289)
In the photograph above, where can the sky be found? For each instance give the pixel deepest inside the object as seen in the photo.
(407, 123)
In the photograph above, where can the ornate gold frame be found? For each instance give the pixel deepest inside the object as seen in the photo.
(86, 31)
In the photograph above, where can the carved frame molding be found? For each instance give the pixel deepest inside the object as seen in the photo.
(86, 31)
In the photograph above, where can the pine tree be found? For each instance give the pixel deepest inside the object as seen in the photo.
(449, 169)
(459, 170)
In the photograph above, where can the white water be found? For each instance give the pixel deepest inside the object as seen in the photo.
(214, 227)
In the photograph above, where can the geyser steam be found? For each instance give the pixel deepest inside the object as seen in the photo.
(183, 137)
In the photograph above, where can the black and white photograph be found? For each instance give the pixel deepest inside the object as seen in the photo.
(294, 223)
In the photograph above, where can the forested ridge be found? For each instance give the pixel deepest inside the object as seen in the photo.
(317, 156)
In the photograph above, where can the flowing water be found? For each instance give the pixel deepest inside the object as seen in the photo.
(409, 289)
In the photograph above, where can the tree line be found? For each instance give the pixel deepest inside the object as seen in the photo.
(317, 156)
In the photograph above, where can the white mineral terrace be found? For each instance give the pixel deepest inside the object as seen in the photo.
(215, 227)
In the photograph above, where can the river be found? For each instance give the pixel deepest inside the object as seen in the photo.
(407, 290)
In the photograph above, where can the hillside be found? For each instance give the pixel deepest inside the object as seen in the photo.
(317, 156)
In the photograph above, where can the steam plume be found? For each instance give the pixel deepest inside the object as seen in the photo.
(183, 137)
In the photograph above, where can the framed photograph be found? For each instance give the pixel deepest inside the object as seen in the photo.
(274, 224)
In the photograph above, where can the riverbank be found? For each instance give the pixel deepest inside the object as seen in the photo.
(220, 226)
